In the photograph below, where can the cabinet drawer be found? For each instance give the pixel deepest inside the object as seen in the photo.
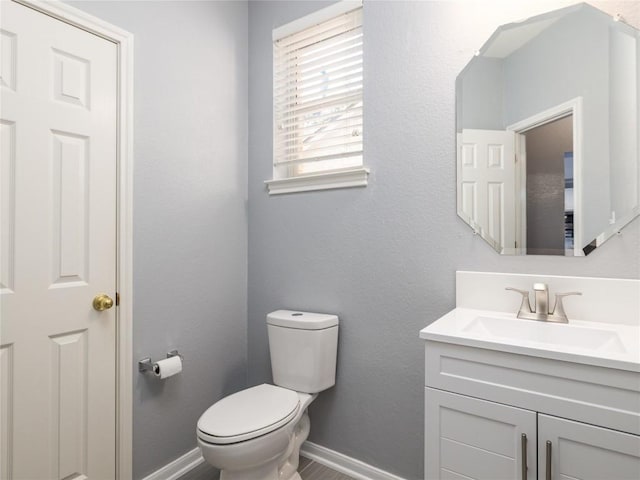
(597, 395)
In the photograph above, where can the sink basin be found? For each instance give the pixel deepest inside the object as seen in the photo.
(571, 336)
(594, 343)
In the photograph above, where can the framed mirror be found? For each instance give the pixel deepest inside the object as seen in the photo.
(547, 133)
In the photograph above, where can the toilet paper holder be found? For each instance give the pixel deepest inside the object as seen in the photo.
(146, 364)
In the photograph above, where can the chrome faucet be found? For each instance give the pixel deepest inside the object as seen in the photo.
(541, 311)
(541, 293)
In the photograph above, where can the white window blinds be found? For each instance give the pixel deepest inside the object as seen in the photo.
(318, 97)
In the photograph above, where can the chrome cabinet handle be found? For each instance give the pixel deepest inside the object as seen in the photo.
(548, 473)
(523, 448)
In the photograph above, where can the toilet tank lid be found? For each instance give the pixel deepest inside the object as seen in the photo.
(301, 320)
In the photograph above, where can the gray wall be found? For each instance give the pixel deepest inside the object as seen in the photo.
(480, 95)
(384, 257)
(190, 219)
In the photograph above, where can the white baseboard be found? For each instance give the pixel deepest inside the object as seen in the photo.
(178, 467)
(330, 458)
(343, 464)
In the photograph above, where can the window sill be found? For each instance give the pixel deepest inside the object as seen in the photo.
(356, 177)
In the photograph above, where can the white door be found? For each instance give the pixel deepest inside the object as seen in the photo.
(58, 249)
(487, 184)
(570, 450)
(467, 438)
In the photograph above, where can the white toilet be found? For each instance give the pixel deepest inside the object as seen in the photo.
(256, 434)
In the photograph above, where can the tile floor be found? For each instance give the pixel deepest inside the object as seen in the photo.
(314, 471)
(309, 470)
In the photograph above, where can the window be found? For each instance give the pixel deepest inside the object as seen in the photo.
(318, 108)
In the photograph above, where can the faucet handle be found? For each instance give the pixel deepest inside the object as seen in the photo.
(558, 308)
(525, 299)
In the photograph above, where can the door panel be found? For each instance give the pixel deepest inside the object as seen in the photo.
(585, 452)
(58, 217)
(486, 186)
(475, 439)
(7, 203)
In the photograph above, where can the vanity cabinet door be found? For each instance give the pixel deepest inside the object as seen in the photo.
(468, 438)
(570, 450)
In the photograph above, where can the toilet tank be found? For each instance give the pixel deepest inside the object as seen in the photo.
(303, 349)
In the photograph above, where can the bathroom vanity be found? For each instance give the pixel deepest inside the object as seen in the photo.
(508, 398)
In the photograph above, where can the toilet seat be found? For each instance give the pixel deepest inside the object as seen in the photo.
(248, 414)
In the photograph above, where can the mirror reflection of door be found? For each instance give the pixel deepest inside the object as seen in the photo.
(549, 188)
(578, 61)
(486, 192)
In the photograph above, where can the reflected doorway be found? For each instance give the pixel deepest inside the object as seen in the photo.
(549, 188)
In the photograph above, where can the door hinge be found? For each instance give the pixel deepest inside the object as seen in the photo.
(117, 299)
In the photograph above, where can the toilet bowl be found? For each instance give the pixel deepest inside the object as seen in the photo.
(263, 447)
(256, 434)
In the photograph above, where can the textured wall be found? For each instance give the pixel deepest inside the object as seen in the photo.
(384, 257)
(190, 220)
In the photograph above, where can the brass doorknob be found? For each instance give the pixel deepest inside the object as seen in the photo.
(102, 302)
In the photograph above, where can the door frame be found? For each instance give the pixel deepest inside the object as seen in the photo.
(571, 107)
(124, 214)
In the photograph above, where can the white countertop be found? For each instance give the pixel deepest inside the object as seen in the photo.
(601, 344)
